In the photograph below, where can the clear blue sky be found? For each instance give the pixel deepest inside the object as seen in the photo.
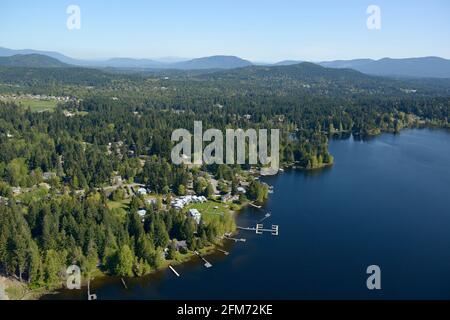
(259, 30)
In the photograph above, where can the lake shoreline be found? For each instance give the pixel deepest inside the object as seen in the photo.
(188, 259)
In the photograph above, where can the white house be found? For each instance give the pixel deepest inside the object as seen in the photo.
(180, 202)
(142, 191)
(151, 201)
(241, 189)
(142, 212)
(194, 213)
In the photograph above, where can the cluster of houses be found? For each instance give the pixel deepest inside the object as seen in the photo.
(118, 145)
(35, 97)
(181, 202)
(229, 197)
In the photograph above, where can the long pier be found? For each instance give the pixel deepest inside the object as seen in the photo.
(255, 206)
(174, 271)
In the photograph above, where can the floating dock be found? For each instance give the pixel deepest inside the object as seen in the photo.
(260, 229)
(255, 206)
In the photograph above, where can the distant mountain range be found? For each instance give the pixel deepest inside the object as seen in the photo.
(213, 62)
(426, 67)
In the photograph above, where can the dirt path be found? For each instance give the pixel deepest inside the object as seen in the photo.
(16, 290)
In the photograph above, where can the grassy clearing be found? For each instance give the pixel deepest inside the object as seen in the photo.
(35, 105)
(119, 207)
(35, 194)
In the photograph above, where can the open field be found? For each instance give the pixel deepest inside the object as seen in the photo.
(34, 104)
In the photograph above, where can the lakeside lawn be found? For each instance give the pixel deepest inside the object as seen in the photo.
(210, 210)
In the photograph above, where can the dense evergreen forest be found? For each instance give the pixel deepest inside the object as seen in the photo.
(120, 124)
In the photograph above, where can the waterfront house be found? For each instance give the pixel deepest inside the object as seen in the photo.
(180, 244)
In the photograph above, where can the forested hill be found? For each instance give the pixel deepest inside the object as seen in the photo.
(305, 71)
(43, 77)
(314, 79)
(31, 61)
(307, 78)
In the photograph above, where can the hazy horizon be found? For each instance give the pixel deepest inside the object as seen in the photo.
(173, 59)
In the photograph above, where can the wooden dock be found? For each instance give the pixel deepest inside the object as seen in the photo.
(223, 251)
(124, 284)
(255, 206)
(235, 239)
(268, 214)
(207, 264)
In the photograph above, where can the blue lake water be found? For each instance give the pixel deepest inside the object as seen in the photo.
(386, 201)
